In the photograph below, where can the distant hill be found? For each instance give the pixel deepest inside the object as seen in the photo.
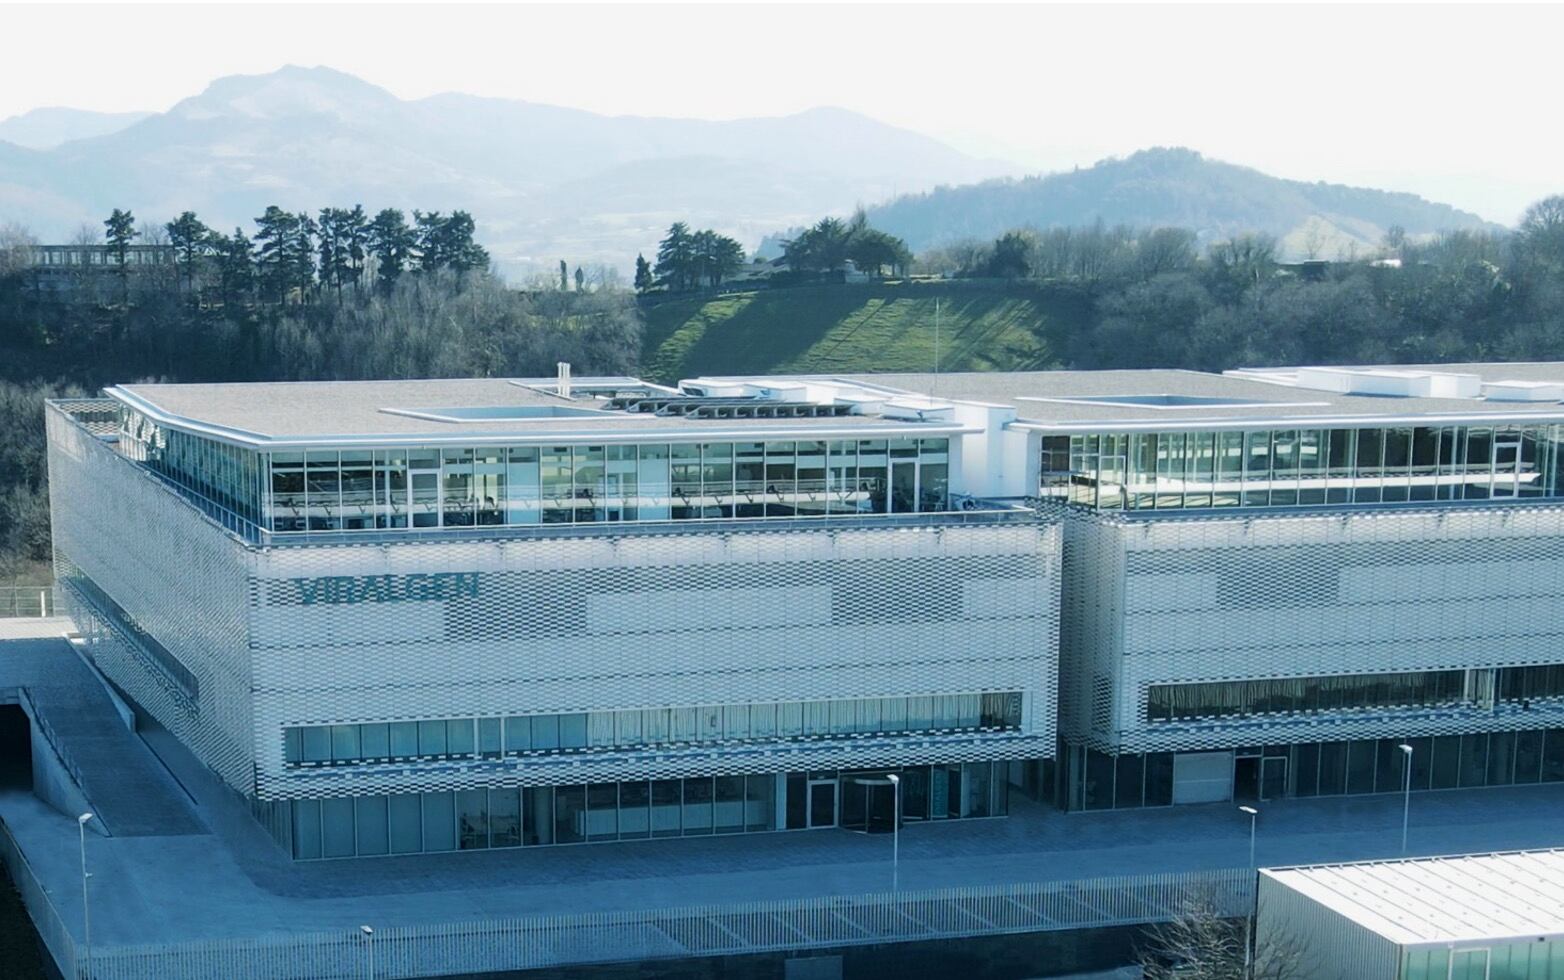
(986, 326)
(1178, 187)
(544, 183)
(44, 129)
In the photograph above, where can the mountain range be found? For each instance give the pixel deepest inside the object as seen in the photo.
(1173, 187)
(547, 183)
(543, 182)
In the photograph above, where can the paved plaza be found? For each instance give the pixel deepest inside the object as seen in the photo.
(215, 873)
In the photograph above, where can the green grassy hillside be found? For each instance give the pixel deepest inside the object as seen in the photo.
(858, 328)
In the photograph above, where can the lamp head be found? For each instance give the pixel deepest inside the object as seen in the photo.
(366, 930)
(83, 819)
(1405, 748)
(1249, 810)
(893, 778)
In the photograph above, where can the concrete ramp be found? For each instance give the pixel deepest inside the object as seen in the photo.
(124, 783)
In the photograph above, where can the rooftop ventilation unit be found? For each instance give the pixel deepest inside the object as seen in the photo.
(1390, 382)
(1524, 391)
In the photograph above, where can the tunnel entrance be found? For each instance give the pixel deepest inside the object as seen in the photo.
(16, 748)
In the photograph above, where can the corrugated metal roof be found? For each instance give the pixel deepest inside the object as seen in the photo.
(1504, 896)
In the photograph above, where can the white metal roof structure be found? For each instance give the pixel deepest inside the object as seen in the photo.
(1442, 900)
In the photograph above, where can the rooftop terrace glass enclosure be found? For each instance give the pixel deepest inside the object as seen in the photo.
(455, 487)
(1287, 467)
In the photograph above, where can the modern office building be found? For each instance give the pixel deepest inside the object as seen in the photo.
(1472, 917)
(1275, 579)
(441, 615)
(407, 616)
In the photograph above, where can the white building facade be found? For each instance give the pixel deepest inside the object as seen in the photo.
(544, 618)
(405, 616)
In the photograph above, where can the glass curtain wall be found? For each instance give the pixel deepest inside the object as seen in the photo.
(1097, 780)
(331, 490)
(698, 806)
(447, 739)
(1288, 467)
(227, 476)
(1301, 695)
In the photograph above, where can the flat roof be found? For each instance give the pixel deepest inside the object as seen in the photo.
(1505, 896)
(1164, 399)
(278, 415)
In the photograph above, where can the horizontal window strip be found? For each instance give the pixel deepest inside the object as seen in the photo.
(1531, 683)
(308, 746)
(1305, 695)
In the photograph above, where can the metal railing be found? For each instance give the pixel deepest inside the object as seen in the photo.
(46, 917)
(26, 601)
(716, 930)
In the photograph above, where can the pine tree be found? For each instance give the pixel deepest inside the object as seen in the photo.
(191, 240)
(643, 274)
(354, 229)
(119, 232)
(336, 265)
(392, 243)
(676, 258)
(276, 240)
(235, 269)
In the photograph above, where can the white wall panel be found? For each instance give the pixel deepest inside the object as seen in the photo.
(1209, 597)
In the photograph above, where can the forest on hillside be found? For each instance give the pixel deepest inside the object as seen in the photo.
(1158, 300)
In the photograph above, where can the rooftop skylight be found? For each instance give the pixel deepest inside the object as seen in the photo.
(1165, 402)
(499, 413)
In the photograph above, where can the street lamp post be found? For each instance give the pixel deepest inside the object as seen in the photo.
(895, 831)
(1406, 797)
(86, 915)
(369, 946)
(1249, 917)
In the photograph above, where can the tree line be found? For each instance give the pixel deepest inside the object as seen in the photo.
(296, 257)
(316, 297)
(690, 260)
(831, 243)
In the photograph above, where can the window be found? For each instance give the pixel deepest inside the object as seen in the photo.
(1236, 699)
(444, 739)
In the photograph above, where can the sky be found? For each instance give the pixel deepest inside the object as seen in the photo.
(1456, 103)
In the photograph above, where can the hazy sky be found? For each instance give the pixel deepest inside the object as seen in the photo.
(1455, 103)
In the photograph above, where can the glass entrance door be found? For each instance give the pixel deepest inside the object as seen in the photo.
(822, 803)
(1273, 777)
(423, 497)
(904, 486)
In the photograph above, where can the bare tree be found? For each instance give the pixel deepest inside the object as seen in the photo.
(1200, 944)
(16, 247)
(1314, 239)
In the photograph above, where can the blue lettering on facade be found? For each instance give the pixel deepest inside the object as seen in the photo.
(353, 589)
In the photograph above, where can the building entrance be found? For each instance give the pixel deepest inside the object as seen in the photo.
(868, 803)
(822, 803)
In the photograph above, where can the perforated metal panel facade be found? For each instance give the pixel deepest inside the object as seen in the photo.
(159, 591)
(627, 621)
(405, 630)
(1211, 598)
